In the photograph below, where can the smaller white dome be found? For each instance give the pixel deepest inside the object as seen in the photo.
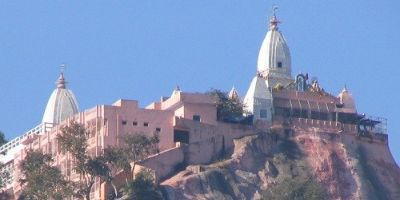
(176, 91)
(233, 94)
(61, 105)
(348, 102)
(258, 100)
(258, 89)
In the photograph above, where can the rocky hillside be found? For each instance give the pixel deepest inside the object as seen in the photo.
(293, 164)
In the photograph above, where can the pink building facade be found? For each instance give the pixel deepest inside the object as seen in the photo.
(108, 123)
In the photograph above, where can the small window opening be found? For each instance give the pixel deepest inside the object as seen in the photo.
(146, 124)
(279, 64)
(124, 122)
(263, 113)
(196, 118)
(134, 123)
(158, 129)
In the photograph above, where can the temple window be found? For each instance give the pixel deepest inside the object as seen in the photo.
(134, 123)
(196, 118)
(158, 130)
(124, 122)
(279, 64)
(263, 113)
(146, 124)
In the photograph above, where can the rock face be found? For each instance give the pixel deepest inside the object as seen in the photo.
(293, 164)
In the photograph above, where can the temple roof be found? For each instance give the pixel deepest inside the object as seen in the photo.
(274, 56)
(61, 105)
(347, 100)
(233, 94)
(258, 89)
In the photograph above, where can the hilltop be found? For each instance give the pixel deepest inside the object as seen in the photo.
(309, 163)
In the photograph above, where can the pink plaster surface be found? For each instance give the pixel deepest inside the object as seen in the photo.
(165, 162)
(186, 105)
(108, 123)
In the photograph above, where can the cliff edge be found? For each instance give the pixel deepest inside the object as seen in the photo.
(293, 164)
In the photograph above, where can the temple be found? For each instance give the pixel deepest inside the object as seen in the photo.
(62, 103)
(187, 123)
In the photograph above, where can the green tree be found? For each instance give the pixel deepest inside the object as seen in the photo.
(296, 188)
(4, 176)
(2, 138)
(227, 109)
(4, 180)
(4, 173)
(139, 147)
(117, 160)
(143, 187)
(135, 148)
(73, 140)
(41, 180)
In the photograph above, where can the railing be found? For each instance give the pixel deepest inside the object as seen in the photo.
(381, 127)
(315, 123)
(16, 141)
(324, 124)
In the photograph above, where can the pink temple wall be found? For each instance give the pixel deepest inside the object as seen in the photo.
(207, 142)
(107, 123)
(165, 162)
(130, 119)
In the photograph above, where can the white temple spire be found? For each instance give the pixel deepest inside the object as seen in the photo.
(233, 94)
(61, 104)
(346, 98)
(274, 62)
(273, 68)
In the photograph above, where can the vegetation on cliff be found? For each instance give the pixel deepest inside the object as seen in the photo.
(143, 187)
(228, 110)
(297, 188)
(293, 177)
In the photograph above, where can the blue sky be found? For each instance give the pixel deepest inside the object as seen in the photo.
(143, 49)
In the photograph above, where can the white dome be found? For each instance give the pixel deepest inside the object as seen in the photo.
(61, 105)
(274, 60)
(258, 98)
(348, 102)
(233, 94)
(258, 89)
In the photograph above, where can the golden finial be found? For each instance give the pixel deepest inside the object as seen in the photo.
(274, 9)
(61, 80)
(62, 68)
(273, 22)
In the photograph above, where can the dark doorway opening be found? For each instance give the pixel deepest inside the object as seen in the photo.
(181, 136)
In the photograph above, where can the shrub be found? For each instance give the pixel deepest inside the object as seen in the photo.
(143, 187)
(297, 188)
(228, 110)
